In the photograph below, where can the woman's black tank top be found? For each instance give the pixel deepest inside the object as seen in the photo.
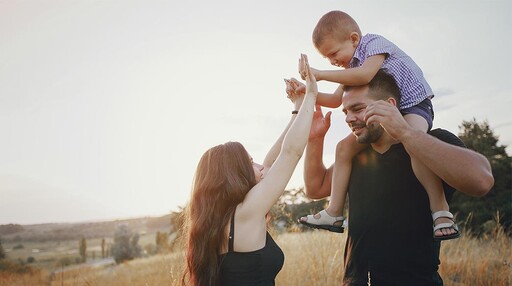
(259, 267)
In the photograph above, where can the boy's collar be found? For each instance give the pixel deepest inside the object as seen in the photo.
(357, 54)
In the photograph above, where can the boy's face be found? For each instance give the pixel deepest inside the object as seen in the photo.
(338, 52)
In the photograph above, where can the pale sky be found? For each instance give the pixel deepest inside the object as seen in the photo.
(107, 105)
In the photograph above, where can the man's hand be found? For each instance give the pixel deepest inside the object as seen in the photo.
(320, 124)
(388, 116)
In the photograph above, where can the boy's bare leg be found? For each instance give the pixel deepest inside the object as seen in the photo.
(430, 181)
(346, 150)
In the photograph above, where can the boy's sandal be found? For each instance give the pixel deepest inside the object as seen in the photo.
(327, 222)
(452, 225)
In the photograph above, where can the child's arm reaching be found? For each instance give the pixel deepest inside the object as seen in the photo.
(331, 100)
(351, 76)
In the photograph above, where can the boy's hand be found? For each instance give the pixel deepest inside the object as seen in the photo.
(302, 68)
(311, 85)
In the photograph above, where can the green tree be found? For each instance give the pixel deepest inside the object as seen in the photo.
(82, 246)
(2, 252)
(135, 247)
(103, 248)
(125, 245)
(291, 205)
(481, 138)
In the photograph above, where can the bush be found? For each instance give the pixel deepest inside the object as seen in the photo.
(126, 244)
(150, 249)
(13, 267)
(65, 261)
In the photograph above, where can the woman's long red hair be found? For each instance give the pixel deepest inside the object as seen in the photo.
(223, 177)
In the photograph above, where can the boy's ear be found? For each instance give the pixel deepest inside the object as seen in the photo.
(354, 37)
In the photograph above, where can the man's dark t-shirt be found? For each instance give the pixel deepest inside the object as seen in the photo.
(390, 223)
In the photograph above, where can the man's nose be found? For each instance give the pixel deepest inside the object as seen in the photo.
(349, 118)
(333, 61)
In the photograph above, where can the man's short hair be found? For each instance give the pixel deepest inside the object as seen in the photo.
(382, 86)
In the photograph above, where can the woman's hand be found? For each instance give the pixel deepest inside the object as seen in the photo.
(295, 94)
(295, 87)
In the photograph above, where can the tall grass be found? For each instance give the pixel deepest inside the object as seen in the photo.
(483, 261)
(311, 258)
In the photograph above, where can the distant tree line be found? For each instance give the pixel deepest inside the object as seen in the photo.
(7, 229)
(75, 231)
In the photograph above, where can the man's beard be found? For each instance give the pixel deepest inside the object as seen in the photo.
(371, 134)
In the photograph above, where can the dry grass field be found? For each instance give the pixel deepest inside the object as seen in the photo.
(312, 258)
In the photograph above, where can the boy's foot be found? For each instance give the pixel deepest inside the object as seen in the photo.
(445, 228)
(323, 220)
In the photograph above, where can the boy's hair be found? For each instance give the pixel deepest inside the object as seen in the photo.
(335, 24)
(382, 86)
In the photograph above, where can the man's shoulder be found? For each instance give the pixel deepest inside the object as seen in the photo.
(446, 136)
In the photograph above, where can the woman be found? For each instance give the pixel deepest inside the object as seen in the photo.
(228, 242)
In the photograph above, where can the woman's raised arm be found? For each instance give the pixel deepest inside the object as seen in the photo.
(260, 199)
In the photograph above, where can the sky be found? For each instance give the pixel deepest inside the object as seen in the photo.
(107, 105)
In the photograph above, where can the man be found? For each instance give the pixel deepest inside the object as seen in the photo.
(390, 231)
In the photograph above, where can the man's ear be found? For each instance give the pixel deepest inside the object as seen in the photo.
(392, 100)
(354, 37)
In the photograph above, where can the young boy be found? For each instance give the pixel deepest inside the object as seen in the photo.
(338, 38)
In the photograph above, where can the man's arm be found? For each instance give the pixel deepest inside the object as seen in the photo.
(317, 178)
(464, 169)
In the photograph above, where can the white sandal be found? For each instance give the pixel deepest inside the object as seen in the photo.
(325, 221)
(452, 225)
